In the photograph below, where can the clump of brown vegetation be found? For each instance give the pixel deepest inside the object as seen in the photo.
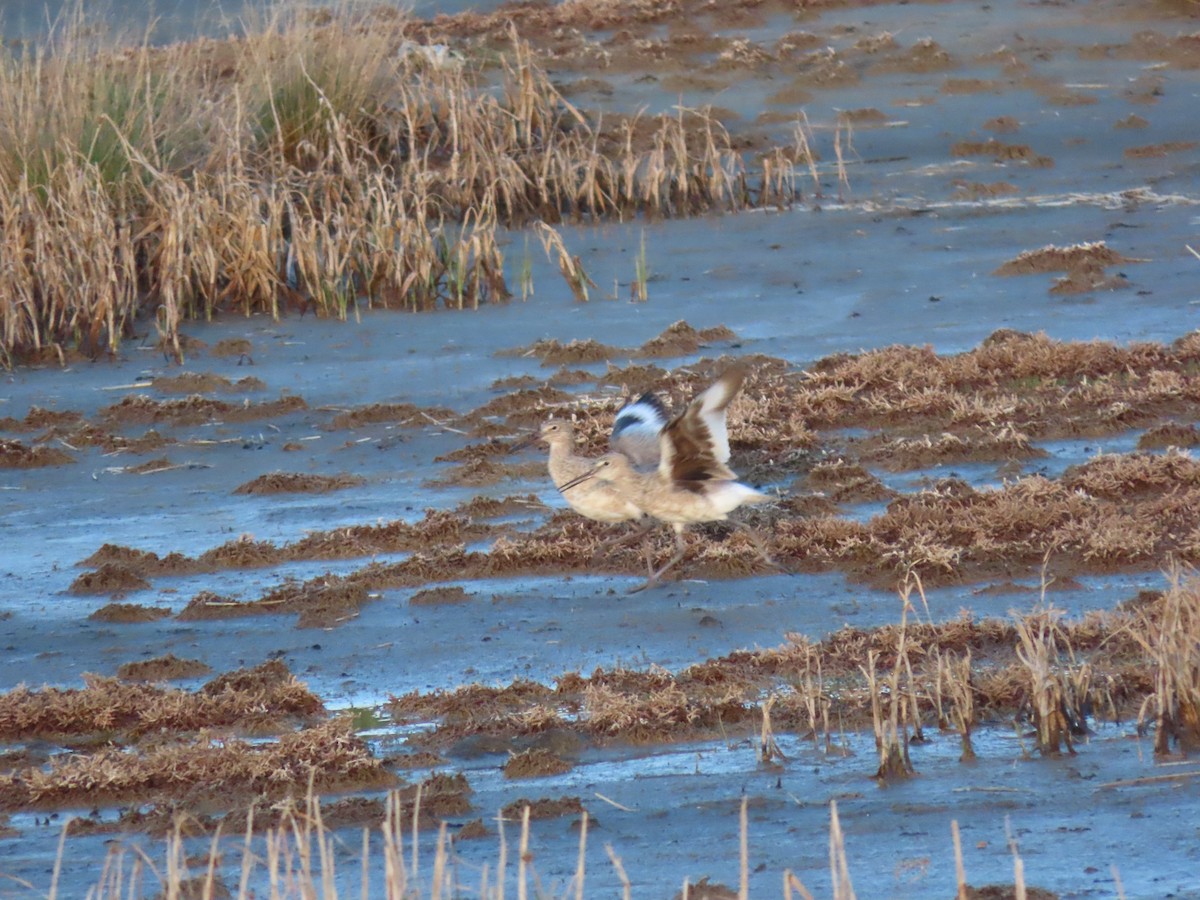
(129, 612)
(205, 383)
(195, 410)
(298, 483)
(1000, 152)
(534, 763)
(262, 699)
(1153, 151)
(978, 190)
(15, 455)
(328, 757)
(1169, 634)
(162, 668)
(439, 596)
(110, 578)
(1062, 259)
(38, 418)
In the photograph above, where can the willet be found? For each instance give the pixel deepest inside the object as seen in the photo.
(692, 483)
(634, 437)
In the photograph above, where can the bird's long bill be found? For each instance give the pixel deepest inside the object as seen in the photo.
(590, 473)
(524, 443)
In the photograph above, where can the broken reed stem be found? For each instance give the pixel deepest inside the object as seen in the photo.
(960, 871)
(744, 851)
(839, 868)
(523, 857)
(792, 883)
(581, 861)
(626, 886)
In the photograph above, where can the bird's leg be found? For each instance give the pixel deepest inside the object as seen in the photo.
(757, 541)
(680, 551)
(644, 527)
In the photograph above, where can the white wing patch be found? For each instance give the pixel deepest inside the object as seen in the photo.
(637, 428)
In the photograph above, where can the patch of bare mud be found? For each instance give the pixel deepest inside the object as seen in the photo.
(298, 483)
(483, 472)
(162, 668)
(205, 383)
(195, 410)
(15, 455)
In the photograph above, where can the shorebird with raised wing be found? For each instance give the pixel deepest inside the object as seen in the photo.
(692, 482)
(635, 437)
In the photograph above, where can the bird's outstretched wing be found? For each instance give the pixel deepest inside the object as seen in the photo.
(695, 444)
(636, 431)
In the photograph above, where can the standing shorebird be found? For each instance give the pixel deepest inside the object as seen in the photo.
(635, 438)
(692, 483)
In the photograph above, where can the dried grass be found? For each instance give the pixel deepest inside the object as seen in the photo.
(258, 699)
(317, 162)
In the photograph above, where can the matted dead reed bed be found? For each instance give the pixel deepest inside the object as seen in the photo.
(1053, 678)
(319, 161)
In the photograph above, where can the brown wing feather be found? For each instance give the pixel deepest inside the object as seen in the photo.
(689, 455)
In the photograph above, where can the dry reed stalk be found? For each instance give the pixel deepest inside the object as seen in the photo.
(793, 883)
(960, 872)
(744, 850)
(1019, 891)
(768, 747)
(954, 674)
(1049, 684)
(1170, 636)
(802, 139)
(839, 867)
(626, 885)
(892, 746)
